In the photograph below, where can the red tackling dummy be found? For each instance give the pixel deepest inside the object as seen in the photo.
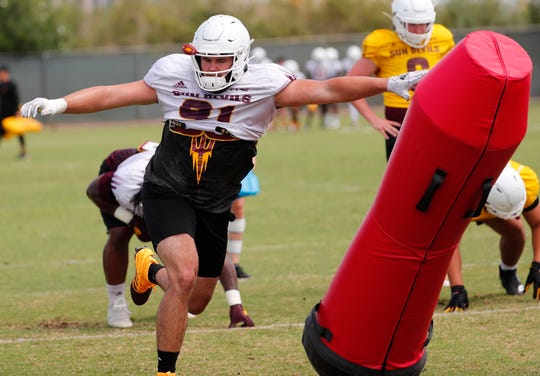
(468, 116)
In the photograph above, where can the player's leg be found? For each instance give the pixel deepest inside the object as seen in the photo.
(115, 252)
(177, 280)
(235, 240)
(172, 223)
(115, 264)
(22, 145)
(511, 245)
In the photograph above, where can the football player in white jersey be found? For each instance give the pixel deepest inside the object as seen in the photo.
(119, 233)
(216, 106)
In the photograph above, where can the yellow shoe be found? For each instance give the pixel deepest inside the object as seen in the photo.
(141, 287)
(166, 374)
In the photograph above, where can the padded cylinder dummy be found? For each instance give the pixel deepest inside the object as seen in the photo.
(468, 115)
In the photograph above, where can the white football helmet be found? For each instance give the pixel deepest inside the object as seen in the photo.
(220, 35)
(292, 65)
(507, 197)
(318, 54)
(332, 53)
(354, 52)
(258, 55)
(405, 12)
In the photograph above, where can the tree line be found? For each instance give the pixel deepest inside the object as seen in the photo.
(38, 25)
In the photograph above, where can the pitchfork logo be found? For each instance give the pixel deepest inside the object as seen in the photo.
(201, 152)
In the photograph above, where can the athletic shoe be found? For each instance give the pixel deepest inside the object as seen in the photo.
(510, 282)
(240, 316)
(141, 287)
(166, 374)
(459, 300)
(240, 273)
(118, 314)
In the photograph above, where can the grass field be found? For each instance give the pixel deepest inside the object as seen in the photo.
(316, 187)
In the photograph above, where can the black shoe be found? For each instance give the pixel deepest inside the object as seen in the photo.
(240, 273)
(459, 300)
(510, 281)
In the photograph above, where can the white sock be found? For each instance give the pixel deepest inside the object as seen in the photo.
(115, 292)
(507, 267)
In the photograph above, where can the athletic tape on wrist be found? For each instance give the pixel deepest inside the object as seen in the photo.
(123, 215)
(233, 297)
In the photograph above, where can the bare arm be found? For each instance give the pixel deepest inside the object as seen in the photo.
(92, 99)
(533, 219)
(99, 98)
(335, 90)
(363, 67)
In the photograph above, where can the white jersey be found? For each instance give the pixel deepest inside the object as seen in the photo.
(128, 178)
(244, 109)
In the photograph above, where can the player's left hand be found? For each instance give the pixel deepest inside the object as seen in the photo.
(239, 317)
(401, 84)
(533, 278)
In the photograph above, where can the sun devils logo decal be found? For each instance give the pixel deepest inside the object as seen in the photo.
(201, 151)
(202, 144)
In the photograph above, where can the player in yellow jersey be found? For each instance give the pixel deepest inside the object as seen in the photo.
(415, 43)
(514, 193)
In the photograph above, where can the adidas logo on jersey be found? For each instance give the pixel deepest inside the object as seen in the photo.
(180, 85)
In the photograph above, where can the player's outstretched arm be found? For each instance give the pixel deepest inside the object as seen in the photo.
(345, 89)
(93, 99)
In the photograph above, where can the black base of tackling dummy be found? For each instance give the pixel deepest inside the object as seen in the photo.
(327, 363)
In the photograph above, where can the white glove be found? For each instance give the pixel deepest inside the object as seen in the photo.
(43, 107)
(401, 84)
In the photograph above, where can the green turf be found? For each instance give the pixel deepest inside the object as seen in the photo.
(316, 187)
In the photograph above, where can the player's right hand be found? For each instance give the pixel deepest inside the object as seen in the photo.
(43, 107)
(533, 278)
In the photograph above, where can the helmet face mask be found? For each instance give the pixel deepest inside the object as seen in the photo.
(413, 12)
(507, 197)
(220, 36)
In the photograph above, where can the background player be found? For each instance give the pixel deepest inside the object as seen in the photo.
(415, 43)
(9, 104)
(514, 193)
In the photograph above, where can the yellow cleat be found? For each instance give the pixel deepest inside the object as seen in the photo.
(166, 374)
(141, 287)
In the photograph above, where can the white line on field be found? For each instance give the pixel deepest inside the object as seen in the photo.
(127, 333)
